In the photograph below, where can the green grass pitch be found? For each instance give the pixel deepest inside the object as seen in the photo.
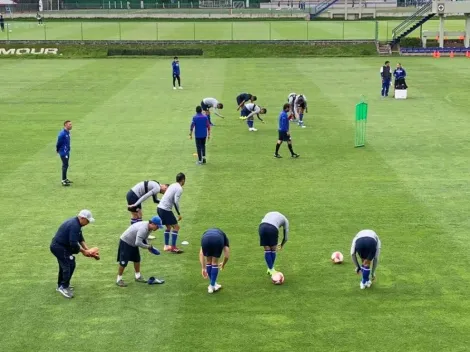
(275, 30)
(410, 183)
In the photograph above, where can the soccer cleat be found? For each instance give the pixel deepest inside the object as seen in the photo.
(151, 237)
(65, 292)
(180, 87)
(362, 285)
(254, 129)
(217, 287)
(210, 289)
(174, 88)
(70, 288)
(121, 283)
(204, 161)
(68, 181)
(176, 250)
(167, 248)
(271, 272)
(65, 183)
(141, 279)
(295, 156)
(368, 284)
(198, 162)
(277, 156)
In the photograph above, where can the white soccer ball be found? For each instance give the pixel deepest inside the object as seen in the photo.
(337, 257)
(277, 278)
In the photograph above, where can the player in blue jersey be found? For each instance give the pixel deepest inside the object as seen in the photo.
(245, 98)
(176, 72)
(214, 242)
(367, 244)
(400, 75)
(283, 132)
(250, 110)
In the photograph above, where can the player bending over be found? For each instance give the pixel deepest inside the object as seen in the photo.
(244, 98)
(171, 199)
(367, 244)
(248, 111)
(269, 236)
(138, 194)
(213, 243)
(300, 107)
(207, 104)
(134, 237)
(291, 100)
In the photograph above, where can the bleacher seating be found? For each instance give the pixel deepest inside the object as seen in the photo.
(447, 50)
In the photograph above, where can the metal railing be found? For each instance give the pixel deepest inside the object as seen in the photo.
(414, 18)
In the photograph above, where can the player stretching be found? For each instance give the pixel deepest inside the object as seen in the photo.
(141, 192)
(248, 111)
(213, 243)
(269, 236)
(171, 199)
(284, 134)
(300, 107)
(244, 98)
(176, 72)
(291, 100)
(367, 244)
(207, 104)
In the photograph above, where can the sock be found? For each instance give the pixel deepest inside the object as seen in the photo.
(166, 234)
(273, 257)
(137, 275)
(208, 269)
(268, 259)
(277, 148)
(365, 273)
(133, 221)
(290, 149)
(250, 123)
(174, 237)
(301, 117)
(214, 273)
(119, 278)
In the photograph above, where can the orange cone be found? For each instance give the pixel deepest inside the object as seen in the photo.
(467, 54)
(451, 54)
(438, 54)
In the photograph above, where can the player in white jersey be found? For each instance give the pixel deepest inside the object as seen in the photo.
(250, 110)
(367, 244)
(207, 104)
(268, 232)
(300, 107)
(141, 192)
(291, 100)
(171, 199)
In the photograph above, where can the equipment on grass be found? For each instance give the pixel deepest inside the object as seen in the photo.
(154, 281)
(277, 278)
(361, 122)
(337, 257)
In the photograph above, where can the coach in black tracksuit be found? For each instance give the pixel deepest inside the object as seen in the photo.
(69, 241)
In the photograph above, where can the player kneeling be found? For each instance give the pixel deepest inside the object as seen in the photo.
(213, 243)
(248, 111)
(367, 244)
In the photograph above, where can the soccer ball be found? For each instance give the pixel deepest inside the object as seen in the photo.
(337, 257)
(277, 278)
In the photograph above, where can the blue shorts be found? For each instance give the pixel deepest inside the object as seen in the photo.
(168, 218)
(212, 244)
(245, 112)
(204, 106)
(127, 253)
(366, 247)
(268, 235)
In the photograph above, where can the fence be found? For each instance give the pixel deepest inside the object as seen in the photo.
(130, 30)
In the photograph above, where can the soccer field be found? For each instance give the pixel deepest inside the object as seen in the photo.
(213, 30)
(410, 184)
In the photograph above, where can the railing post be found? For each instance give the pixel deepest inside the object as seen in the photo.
(81, 29)
(156, 27)
(343, 30)
(120, 36)
(232, 31)
(194, 30)
(376, 30)
(308, 22)
(269, 30)
(45, 34)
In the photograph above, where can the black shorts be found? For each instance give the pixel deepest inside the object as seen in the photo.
(366, 247)
(240, 100)
(204, 106)
(127, 253)
(168, 218)
(302, 105)
(283, 136)
(212, 245)
(132, 198)
(268, 235)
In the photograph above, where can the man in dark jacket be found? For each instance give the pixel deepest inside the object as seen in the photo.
(386, 75)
